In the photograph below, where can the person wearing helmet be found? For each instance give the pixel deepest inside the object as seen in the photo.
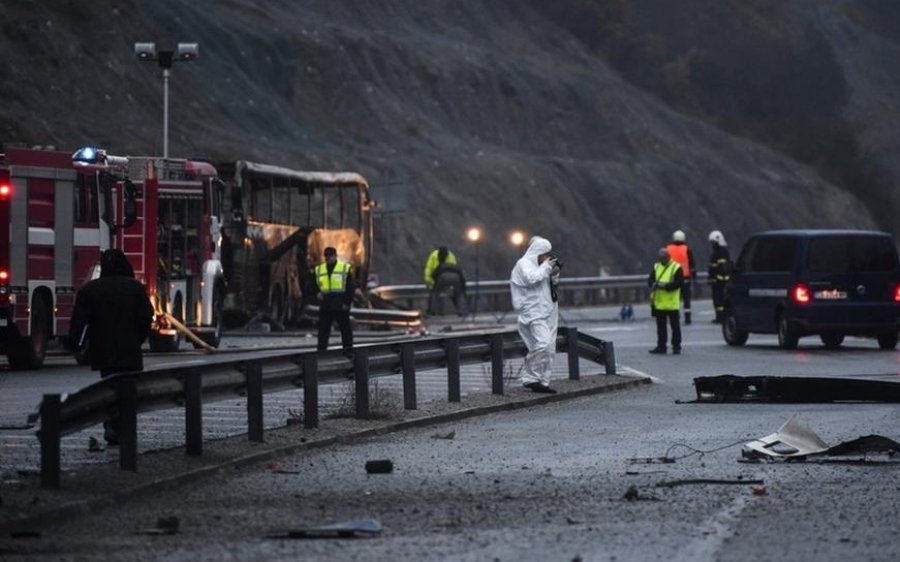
(681, 253)
(720, 267)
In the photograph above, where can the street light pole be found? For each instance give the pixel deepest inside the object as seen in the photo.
(146, 52)
(474, 235)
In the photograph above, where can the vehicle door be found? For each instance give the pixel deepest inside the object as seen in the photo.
(769, 277)
(852, 278)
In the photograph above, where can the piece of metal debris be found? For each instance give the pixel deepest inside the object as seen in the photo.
(793, 440)
(164, 526)
(690, 481)
(731, 388)
(450, 435)
(383, 466)
(94, 445)
(344, 530)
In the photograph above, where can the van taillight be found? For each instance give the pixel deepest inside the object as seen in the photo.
(800, 294)
(897, 293)
(4, 276)
(5, 191)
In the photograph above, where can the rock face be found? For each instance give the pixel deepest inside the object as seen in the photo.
(503, 115)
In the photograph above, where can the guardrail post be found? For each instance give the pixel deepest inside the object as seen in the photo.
(497, 364)
(572, 352)
(50, 436)
(408, 364)
(126, 404)
(253, 374)
(453, 370)
(193, 414)
(609, 357)
(361, 376)
(310, 391)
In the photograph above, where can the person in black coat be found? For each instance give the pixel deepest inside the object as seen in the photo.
(112, 315)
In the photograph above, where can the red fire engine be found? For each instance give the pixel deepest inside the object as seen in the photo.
(63, 210)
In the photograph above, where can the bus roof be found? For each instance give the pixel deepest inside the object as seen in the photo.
(334, 178)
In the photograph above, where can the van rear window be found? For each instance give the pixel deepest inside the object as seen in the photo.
(851, 254)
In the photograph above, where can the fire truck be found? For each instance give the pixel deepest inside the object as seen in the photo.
(63, 210)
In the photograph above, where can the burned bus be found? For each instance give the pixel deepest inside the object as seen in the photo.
(279, 223)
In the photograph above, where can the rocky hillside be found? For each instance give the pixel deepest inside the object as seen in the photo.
(503, 114)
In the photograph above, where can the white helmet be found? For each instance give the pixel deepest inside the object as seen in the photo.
(678, 236)
(717, 237)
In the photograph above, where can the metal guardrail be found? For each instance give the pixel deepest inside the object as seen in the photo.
(253, 376)
(573, 291)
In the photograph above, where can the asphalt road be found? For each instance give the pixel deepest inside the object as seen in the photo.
(549, 483)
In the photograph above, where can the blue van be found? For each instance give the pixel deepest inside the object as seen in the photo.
(830, 283)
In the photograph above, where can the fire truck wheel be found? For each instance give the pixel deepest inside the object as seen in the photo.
(214, 337)
(32, 349)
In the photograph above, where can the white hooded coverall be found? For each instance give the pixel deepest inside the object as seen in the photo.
(538, 314)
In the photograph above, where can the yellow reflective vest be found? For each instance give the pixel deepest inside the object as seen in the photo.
(337, 281)
(663, 299)
(432, 263)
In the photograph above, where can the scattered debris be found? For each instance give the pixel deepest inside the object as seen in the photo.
(760, 491)
(450, 435)
(793, 440)
(379, 466)
(25, 534)
(731, 388)
(632, 495)
(274, 465)
(94, 445)
(164, 526)
(690, 481)
(346, 529)
(651, 460)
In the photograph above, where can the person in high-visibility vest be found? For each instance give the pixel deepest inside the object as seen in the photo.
(681, 252)
(334, 281)
(666, 279)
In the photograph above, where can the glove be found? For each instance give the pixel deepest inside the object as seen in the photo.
(552, 263)
(554, 270)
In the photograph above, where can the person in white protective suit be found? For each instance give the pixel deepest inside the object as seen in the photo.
(532, 299)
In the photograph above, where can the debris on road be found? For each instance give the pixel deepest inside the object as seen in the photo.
(345, 529)
(164, 526)
(632, 494)
(793, 440)
(732, 388)
(379, 466)
(690, 481)
(94, 445)
(450, 435)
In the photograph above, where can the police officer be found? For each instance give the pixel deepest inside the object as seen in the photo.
(681, 252)
(335, 289)
(720, 267)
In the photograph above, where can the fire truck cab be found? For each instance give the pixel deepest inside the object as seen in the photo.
(63, 210)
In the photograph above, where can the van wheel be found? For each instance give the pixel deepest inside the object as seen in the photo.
(787, 334)
(832, 341)
(887, 341)
(732, 334)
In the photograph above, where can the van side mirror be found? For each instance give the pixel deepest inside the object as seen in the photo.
(129, 203)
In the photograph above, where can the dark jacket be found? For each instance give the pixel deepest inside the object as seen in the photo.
(720, 265)
(117, 313)
(448, 275)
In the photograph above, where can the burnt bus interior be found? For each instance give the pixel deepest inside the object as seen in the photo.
(276, 229)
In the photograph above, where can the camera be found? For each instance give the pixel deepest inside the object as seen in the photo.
(559, 264)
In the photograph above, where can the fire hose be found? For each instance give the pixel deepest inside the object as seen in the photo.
(199, 343)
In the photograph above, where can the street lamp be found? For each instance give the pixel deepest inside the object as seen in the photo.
(517, 238)
(146, 52)
(474, 236)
